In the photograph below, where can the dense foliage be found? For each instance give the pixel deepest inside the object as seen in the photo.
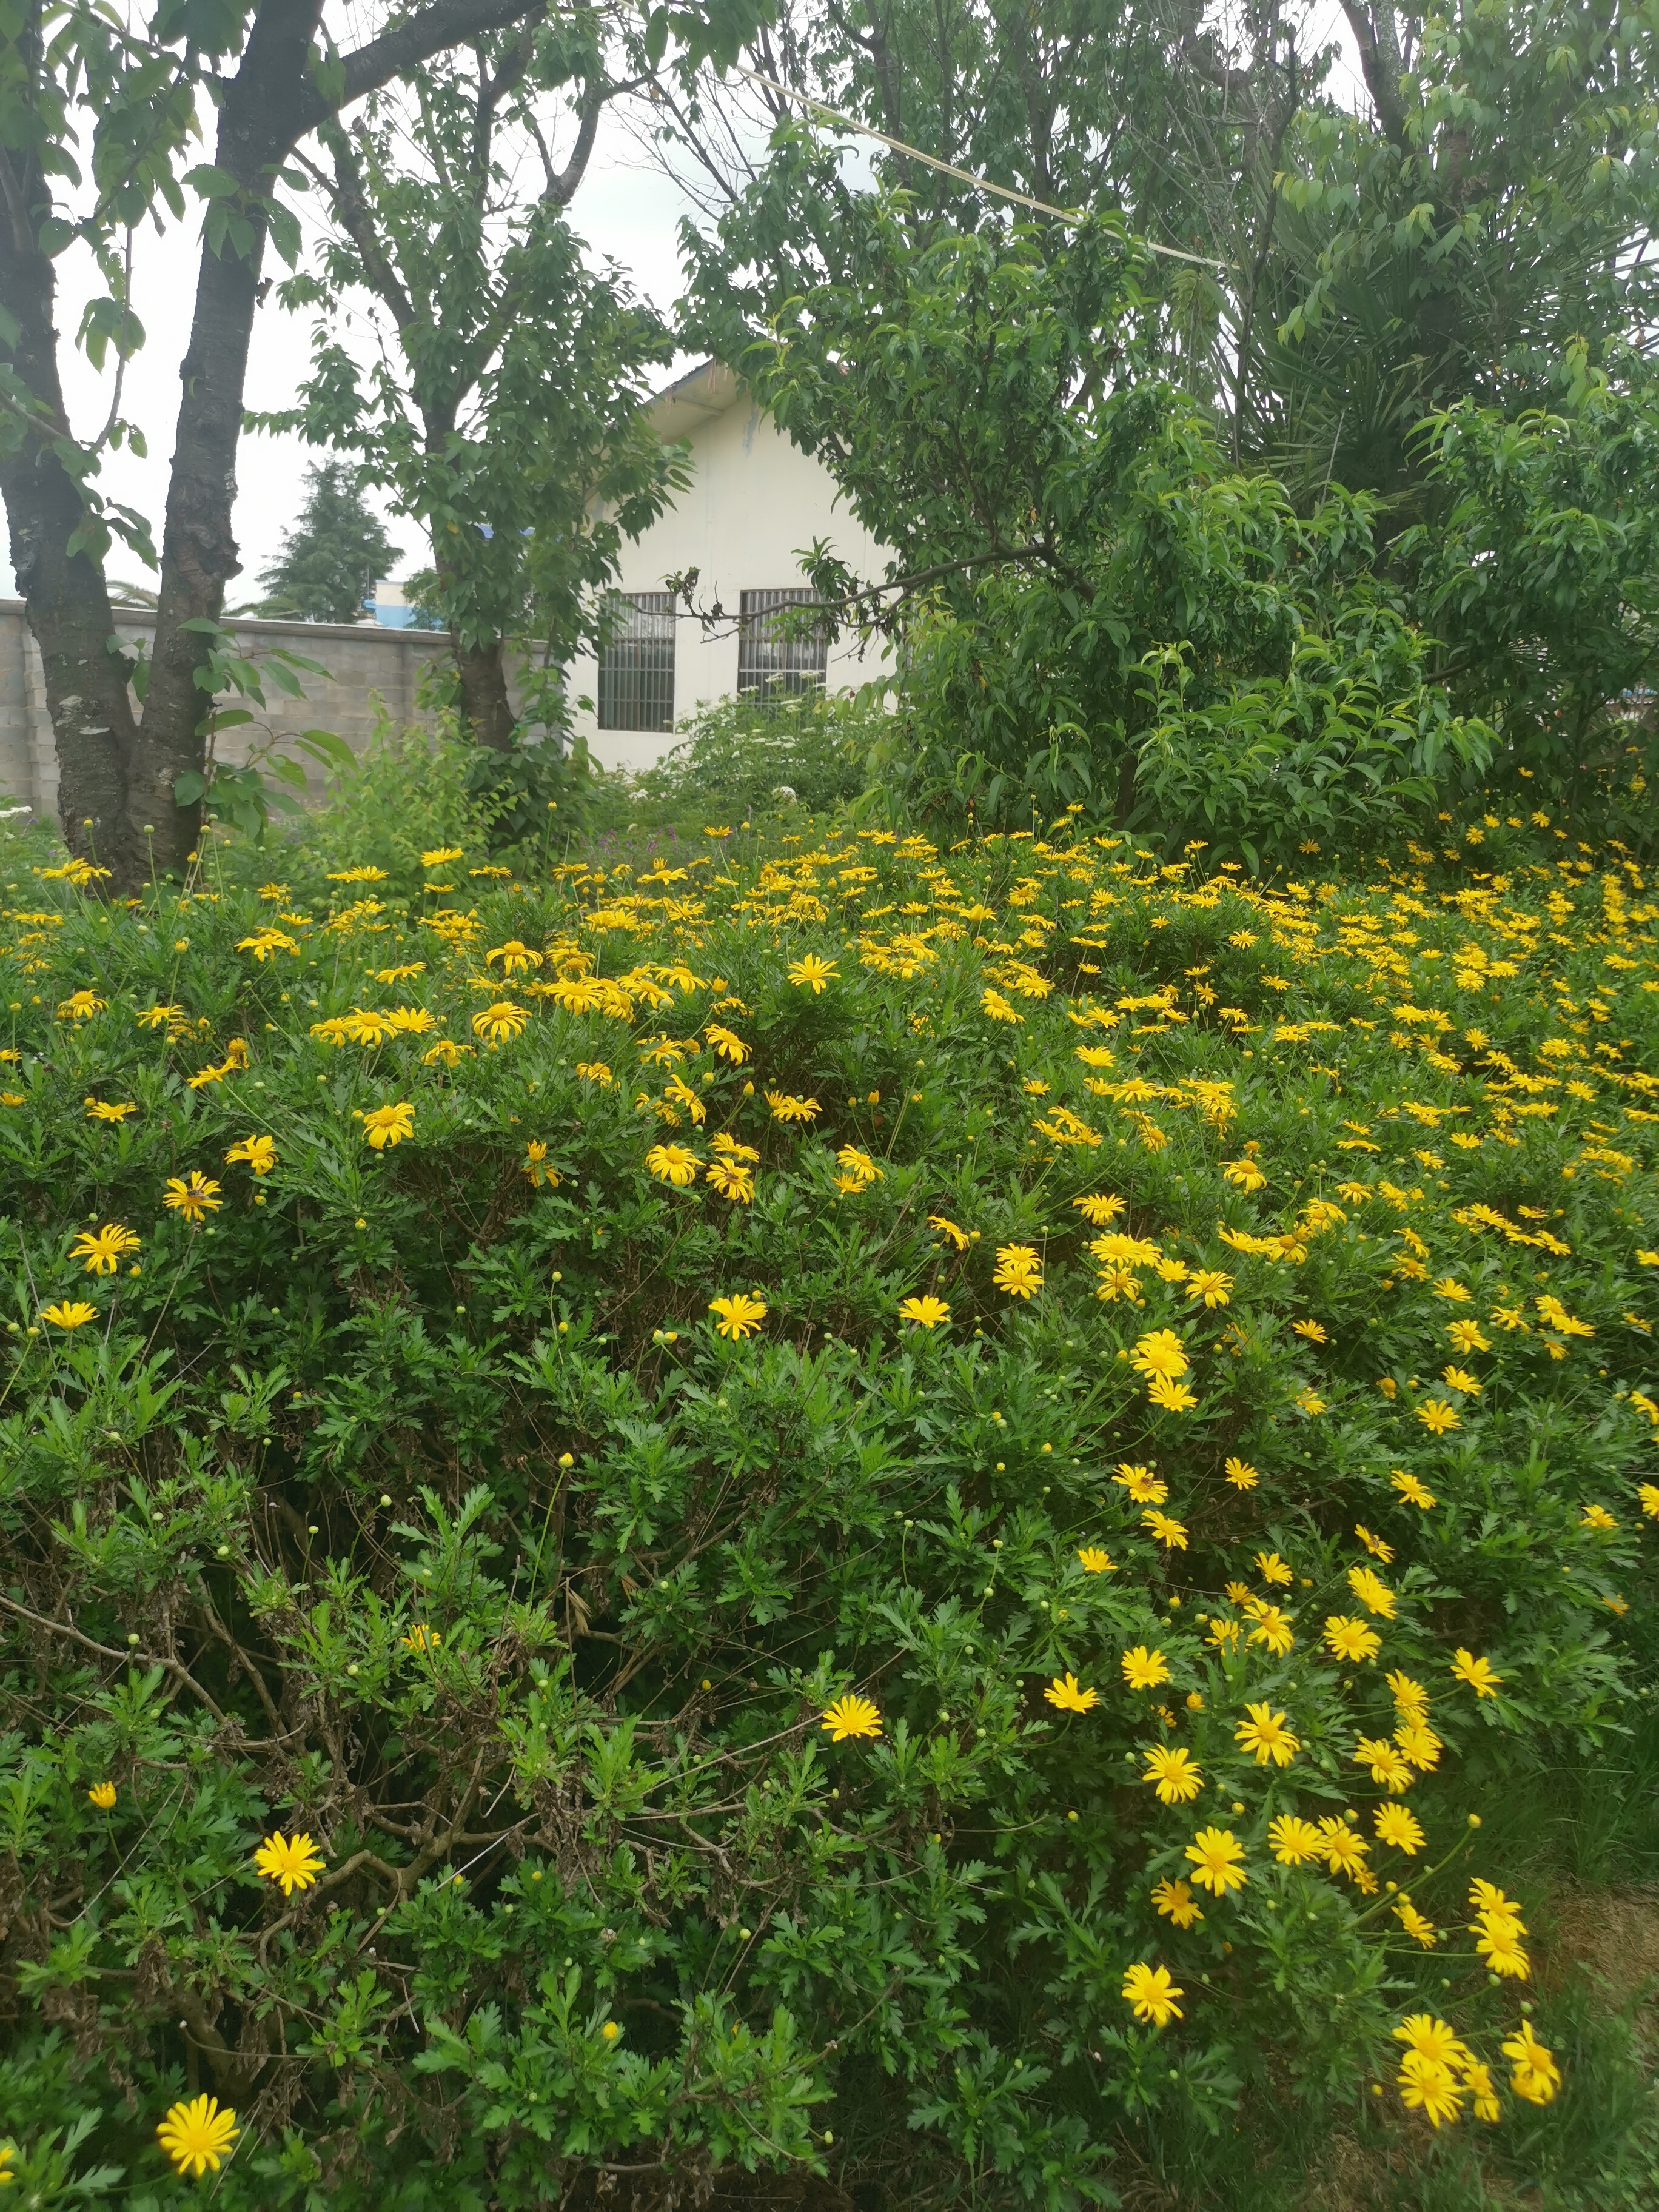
(1168, 1362)
(1069, 540)
(1344, 256)
(1343, 406)
(1537, 575)
(1485, 214)
(740, 758)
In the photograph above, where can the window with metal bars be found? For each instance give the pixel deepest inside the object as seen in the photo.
(773, 663)
(636, 668)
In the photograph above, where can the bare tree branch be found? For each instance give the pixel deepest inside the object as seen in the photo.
(345, 194)
(1379, 58)
(407, 44)
(562, 187)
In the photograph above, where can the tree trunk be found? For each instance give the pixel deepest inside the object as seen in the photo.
(486, 710)
(485, 707)
(1378, 40)
(260, 118)
(68, 603)
(86, 681)
(198, 551)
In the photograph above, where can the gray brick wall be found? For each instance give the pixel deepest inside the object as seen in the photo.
(369, 669)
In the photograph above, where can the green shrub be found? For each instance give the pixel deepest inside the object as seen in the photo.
(740, 760)
(410, 791)
(517, 792)
(1346, 750)
(1059, 515)
(442, 1501)
(1535, 574)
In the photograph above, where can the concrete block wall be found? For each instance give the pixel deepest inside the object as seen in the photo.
(369, 669)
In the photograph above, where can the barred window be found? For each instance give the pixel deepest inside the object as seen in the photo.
(771, 667)
(636, 668)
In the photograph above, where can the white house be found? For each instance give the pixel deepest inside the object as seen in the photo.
(754, 501)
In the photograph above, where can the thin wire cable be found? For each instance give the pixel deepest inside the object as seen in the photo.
(963, 176)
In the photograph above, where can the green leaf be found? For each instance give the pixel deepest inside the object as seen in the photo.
(325, 747)
(284, 227)
(210, 182)
(105, 322)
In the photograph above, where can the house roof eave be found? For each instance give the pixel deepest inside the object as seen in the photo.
(703, 392)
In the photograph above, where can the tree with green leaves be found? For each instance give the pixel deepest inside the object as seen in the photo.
(332, 558)
(1540, 578)
(1170, 117)
(1493, 212)
(1474, 240)
(1062, 519)
(78, 87)
(503, 413)
(100, 123)
(1490, 200)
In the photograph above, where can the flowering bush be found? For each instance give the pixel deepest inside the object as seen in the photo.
(879, 1513)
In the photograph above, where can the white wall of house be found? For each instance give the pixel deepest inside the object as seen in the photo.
(754, 501)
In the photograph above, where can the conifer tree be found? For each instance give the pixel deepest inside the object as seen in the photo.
(334, 554)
